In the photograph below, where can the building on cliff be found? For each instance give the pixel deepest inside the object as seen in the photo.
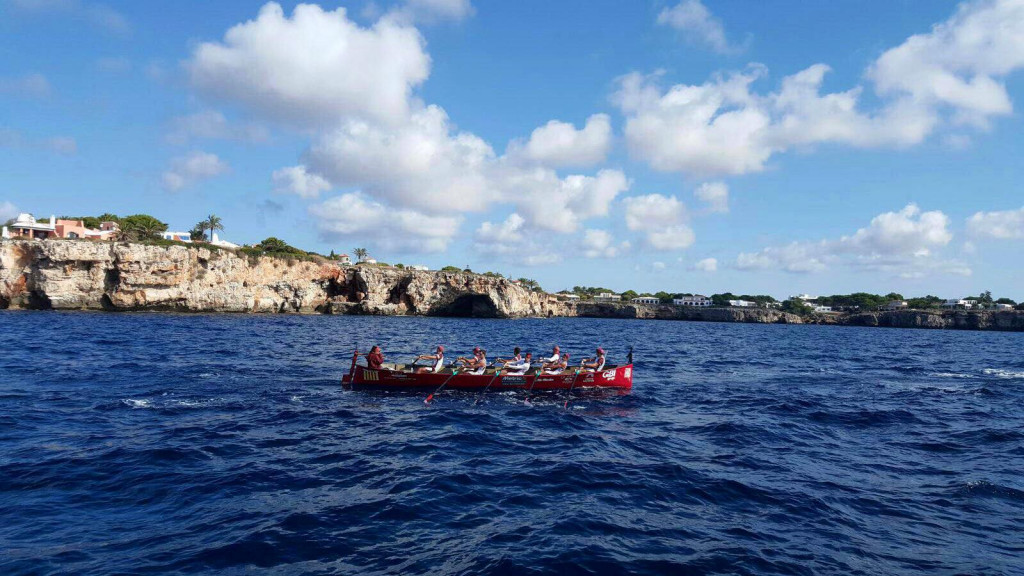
(698, 300)
(27, 227)
(646, 300)
(607, 297)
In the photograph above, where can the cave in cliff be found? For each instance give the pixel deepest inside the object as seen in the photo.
(470, 306)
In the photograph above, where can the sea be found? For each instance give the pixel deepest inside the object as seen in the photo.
(225, 444)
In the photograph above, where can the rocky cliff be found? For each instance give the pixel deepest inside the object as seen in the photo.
(1009, 320)
(82, 275)
(669, 312)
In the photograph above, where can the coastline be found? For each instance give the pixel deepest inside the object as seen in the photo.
(125, 277)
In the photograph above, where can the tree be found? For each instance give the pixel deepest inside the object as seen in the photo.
(1006, 301)
(530, 284)
(794, 306)
(629, 295)
(451, 269)
(361, 254)
(985, 297)
(141, 227)
(213, 224)
(277, 246)
(198, 232)
(894, 296)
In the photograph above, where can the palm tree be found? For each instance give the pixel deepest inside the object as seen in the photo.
(360, 253)
(213, 223)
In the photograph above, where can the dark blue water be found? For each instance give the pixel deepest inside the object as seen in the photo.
(224, 444)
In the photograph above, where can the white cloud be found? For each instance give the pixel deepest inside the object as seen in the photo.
(422, 163)
(559, 144)
(1005, 225)
(960, 62)
(663, 218)
(951, 76)
(560, 204)
(7, 211)
(715, 195)
(62, 145)
(192, 169)
(430, 11)
(29, 86)
(313, 68)
(99, 15)
(900, 243)
(599, 244)
(354, 216)
(707, 265)
(694, 20)
(212, 125)
(299, 181)
(504, 238)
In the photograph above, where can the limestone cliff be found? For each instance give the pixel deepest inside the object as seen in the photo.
(82, 275)
(669, 312)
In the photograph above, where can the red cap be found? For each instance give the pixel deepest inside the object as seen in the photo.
(476, 348)
(441, 348)
(600, 351)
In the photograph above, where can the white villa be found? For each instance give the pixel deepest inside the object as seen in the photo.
(418, 268)
(742, 303)
(803, 297)
(178, 236)
(344, 259)
(696, 300)
(607, 297)
(646, 300)
(896, 305)
(1003, 306)
(955, 303)
(568, 296)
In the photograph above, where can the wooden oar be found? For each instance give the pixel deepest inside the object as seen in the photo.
(488, 387)
(568, 396)
(441, 387)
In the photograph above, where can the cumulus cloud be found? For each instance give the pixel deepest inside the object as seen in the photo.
(15, 140)
(99, 15)
(950, 76)
(314, 67)
(7, 211)
(902, 243)
(432, 11)
(29, 86)
(959, 63)
(707, 265)
(355, 216)
(715, 195)
(549, 202)
(696, 22)
(662, 218)
(188, 170)
(1004, 225)
(299, 181)
(559, 144)
(212, 125)
(599, 244)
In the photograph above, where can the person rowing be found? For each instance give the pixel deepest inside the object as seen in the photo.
(555, 353)
(595, 364)
(519, 367)
(517, 356)
(476, 364)
(374, 358)
(557, 367)
(437, 361)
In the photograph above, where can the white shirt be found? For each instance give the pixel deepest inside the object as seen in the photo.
(518, 367)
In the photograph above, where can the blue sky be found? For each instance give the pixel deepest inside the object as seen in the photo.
(777, 148)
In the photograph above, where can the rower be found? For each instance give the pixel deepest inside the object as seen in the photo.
(438, 361)
(557, 367)
(477, 364)
(521, 367)
(374, 358)
(595, 364)
(517, 356)
(555, 352)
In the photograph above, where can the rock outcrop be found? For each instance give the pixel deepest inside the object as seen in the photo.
(1008, 320)
(83, 275)
(669, 312)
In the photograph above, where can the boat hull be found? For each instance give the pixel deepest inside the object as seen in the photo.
(362, 378)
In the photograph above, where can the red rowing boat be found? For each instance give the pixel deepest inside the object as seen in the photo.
(402, 377)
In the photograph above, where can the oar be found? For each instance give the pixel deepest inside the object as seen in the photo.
(488, 387)
(568, 396)
(441, 387)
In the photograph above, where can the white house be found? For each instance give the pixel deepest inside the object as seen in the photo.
(896, 305)
(1004, 306)
(344, 259)
(696, 300)
(223, 243)
(178, 236)
(820, 308)
(804, 297)
(607, 297)
(419, 268)
(570, 297)
(742, 303)
(646, 300)
(955, 303)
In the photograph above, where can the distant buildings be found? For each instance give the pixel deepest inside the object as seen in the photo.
(742, 303)
(959, 303)
(896, 305)
(419, 268)
(697, 301)
(344, 259)
(25, 226)
(646, 300)
(178, 236)
(607, 297)
(1003, 306)
(570, 297)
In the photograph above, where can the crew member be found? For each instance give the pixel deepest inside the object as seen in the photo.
(437, 361)
(374, 358)
(595, 364)
(557, 367)
(521, 367)
(517, 356)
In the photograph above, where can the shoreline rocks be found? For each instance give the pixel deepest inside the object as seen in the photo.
(84, 275)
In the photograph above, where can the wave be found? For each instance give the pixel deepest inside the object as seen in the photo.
(1000, 373)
